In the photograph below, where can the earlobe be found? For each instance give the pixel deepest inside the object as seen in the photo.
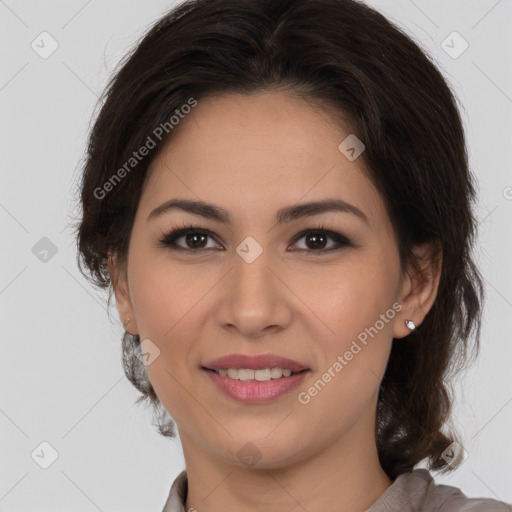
(119, 280)
(419, 288)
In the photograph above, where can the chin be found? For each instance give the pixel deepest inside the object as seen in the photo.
(261, 454)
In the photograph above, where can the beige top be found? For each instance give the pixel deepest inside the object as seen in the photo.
(410, 492)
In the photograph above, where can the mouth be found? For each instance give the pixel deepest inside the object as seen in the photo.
(260, 375)
(252, 362)
(255, 378)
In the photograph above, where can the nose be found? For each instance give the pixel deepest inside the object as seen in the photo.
(254, 299)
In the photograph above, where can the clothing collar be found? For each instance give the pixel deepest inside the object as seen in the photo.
(410, 492)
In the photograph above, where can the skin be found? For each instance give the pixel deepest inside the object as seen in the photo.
(253, 155)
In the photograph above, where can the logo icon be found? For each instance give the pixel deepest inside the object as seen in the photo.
(44, 250)
(454, 45)
(454, 455)
(249, 249)
(352, 147)
(149, 352)
(249, 454)
(44, 455)
(44, 45)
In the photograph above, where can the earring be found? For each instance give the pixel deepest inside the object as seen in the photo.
(410, 325)
(126, 322)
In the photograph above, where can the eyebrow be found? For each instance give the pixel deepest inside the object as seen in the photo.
(284, 215)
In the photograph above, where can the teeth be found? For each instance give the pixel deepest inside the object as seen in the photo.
(233, 373)
(259, 375)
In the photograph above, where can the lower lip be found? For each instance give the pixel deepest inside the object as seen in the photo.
(253, 391)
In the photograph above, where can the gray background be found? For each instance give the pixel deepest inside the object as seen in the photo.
(61, 380)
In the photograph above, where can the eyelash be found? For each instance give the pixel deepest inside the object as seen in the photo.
(168, 239)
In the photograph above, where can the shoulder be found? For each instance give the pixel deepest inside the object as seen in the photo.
(178, 494)
(452, 498)
(446, 498)
(417, 491)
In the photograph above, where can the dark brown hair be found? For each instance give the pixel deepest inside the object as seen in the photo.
(346, 56)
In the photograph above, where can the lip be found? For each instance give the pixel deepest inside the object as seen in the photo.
(254, 362)
(253, 391)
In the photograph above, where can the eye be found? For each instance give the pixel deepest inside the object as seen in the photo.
(195, 239)
(316, 240)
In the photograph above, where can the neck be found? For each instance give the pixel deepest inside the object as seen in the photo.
(346, 472)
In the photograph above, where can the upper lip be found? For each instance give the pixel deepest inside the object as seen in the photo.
(255, 362)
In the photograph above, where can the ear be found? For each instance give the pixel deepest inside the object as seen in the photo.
(419, 287)
(119, 277)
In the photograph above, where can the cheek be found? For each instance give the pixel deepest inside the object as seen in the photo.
(169, 302)
(349, 298)
(164, 295)
(356, 304)
(354, 351)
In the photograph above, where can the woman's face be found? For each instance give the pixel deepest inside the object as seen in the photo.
(258, 284)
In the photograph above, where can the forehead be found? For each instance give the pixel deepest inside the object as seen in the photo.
(269, 149)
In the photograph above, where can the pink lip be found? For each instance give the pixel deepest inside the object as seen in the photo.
(256, 362)
(253, 391)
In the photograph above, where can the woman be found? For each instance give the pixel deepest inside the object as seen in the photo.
(278, 192)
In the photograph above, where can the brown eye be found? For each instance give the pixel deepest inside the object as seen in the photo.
(194, 239)
(317, 239)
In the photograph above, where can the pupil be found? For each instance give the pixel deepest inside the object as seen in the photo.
(192, 238)
(316, 236)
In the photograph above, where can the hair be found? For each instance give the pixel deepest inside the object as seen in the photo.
(347, 57)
